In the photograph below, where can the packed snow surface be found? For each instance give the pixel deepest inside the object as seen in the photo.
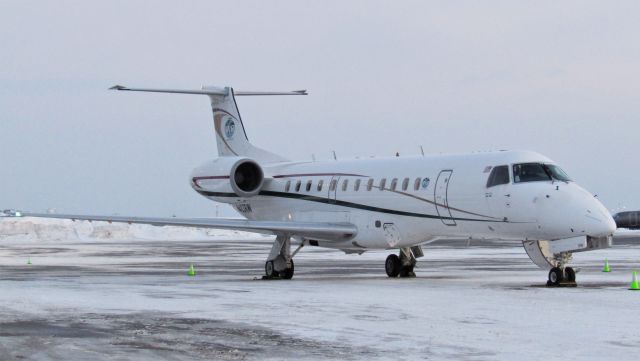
(101, 293)
(46, 229)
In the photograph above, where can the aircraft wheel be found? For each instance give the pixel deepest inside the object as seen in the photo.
(555, 276)
(407, 271)
(269, 270)
(287, 274)
(570, 274)
(393, 265)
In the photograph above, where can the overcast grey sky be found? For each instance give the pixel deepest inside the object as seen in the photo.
(560, 78)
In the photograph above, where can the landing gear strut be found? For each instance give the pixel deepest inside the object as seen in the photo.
(402, 265)
(280, 261)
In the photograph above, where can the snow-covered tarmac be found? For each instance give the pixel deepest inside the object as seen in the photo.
(113, 298)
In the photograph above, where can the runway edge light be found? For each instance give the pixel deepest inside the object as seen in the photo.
(192, 270)
(606, 266)
(634, 282)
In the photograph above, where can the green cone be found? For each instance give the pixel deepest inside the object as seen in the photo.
(192, 270)
(606, 266)
(29, 260)
(634, 282)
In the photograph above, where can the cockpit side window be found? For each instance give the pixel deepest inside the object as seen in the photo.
(530, 172)
(499, 175)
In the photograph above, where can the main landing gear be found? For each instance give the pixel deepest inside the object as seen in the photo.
(279, 264)
(402, 265)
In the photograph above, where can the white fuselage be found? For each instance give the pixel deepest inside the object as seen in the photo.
(423, 198)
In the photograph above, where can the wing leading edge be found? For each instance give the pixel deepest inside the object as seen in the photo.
(314, 230)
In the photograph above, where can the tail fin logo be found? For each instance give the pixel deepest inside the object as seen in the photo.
(229, 128)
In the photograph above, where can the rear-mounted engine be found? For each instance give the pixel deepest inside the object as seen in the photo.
(246, 178)
(242, 176)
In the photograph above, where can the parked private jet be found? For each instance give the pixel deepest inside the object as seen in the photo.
(396, 203)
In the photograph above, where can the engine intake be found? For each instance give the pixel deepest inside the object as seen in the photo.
(246, 178)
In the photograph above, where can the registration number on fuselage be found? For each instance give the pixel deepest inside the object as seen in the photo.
(244, 208)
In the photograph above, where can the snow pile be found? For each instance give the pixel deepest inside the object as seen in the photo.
(47, 229)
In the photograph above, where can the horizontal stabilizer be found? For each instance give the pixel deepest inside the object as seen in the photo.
(293, 92)
(208, 91)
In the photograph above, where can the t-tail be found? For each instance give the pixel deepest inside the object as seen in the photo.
(229, 129)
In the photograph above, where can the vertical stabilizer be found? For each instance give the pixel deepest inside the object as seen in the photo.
(229, 131)
(230, 134)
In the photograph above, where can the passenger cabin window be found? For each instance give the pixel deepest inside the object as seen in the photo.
(298, 186)
(383, 182)
(320, 185)
(405, 184)
(499, 175)
(345, 184)
(356, 185)
(332, 185)
(394, 184)
(416, 184)
(308, 186)
(370, 184)
(287, 186)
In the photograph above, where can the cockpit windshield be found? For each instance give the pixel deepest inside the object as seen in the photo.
(557, 173)
(536, 172)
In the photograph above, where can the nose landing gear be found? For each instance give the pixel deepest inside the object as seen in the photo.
(559, 277)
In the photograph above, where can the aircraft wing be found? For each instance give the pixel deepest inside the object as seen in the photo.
(622, 233)
(313, 230)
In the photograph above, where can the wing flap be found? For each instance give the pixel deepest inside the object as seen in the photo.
(316, 230)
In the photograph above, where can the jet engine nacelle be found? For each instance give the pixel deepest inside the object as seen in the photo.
(243, 176)
(630, 220)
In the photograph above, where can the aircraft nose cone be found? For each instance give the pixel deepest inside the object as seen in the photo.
(572, 212)
(611, 225)
(599, 221)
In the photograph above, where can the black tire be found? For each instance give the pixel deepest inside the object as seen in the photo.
(393, 266)
(287, 274)
(269, 270)
(570, 274)
(407, 271)
(555, 276)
